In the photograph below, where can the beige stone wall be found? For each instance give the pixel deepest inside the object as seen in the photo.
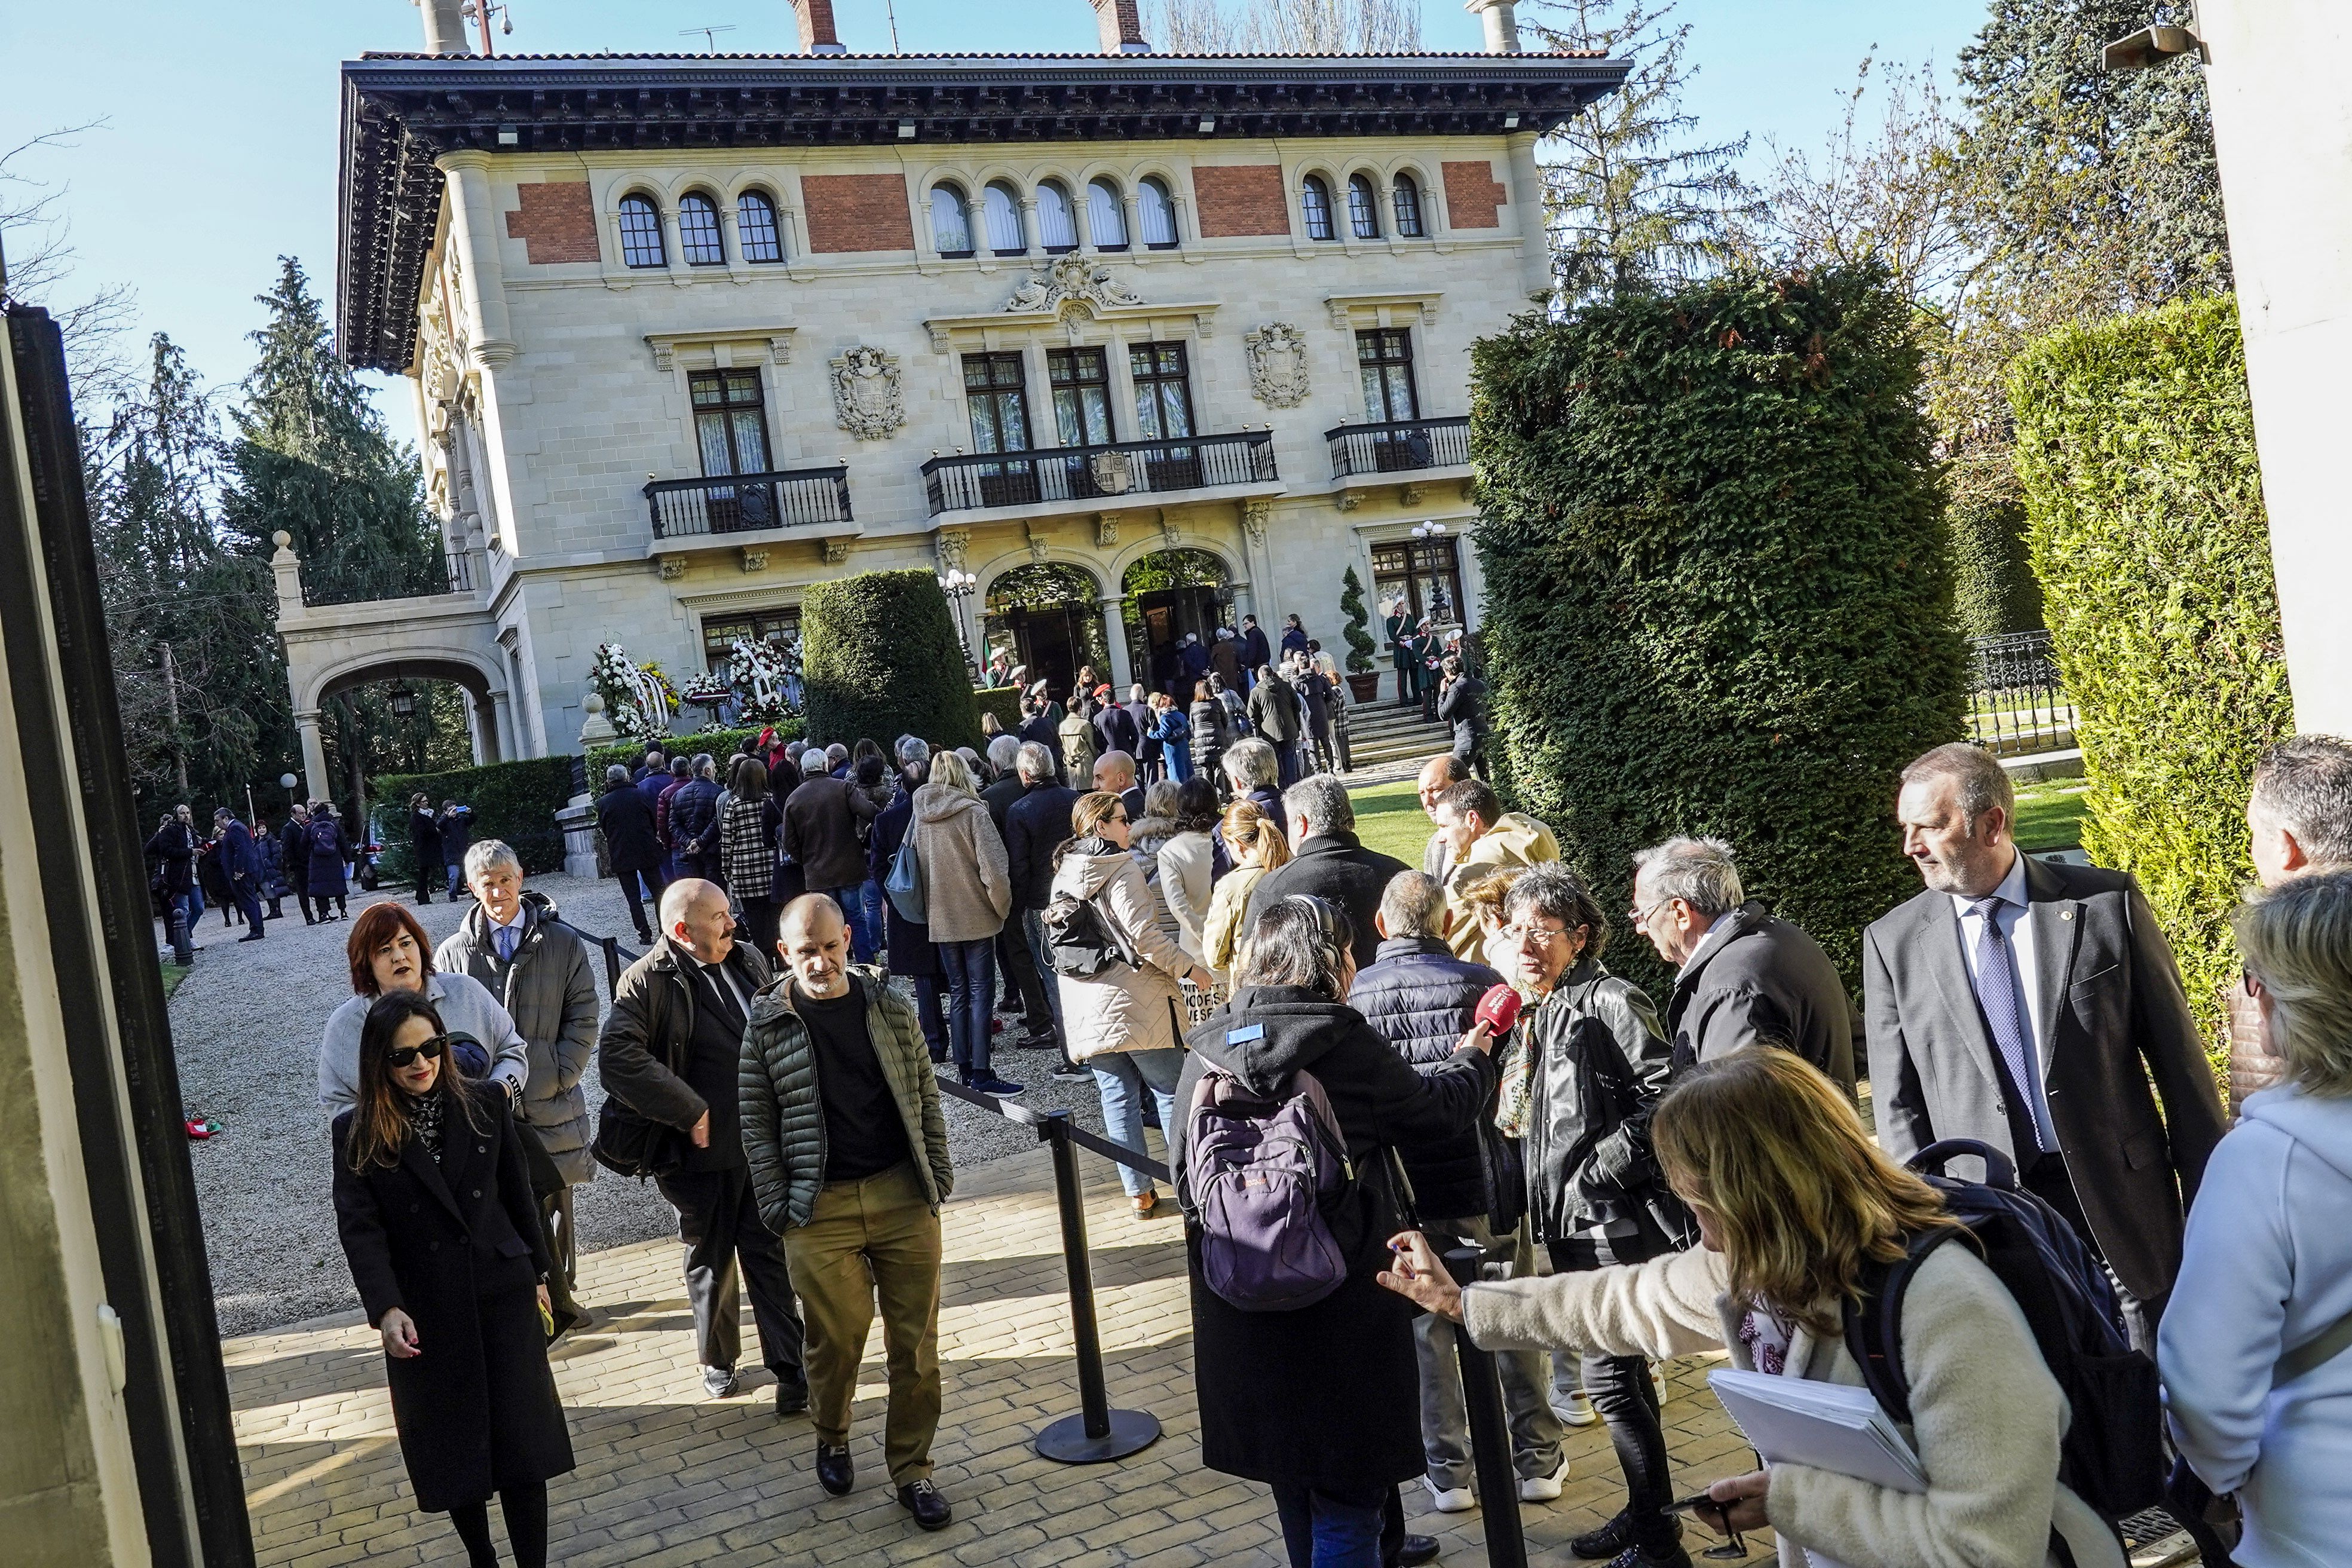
(592, 397)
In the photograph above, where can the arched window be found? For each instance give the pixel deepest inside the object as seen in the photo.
(697, 231)
(950, 222)
(756, 234)
(1315, 205)
(1156, 213)
(1057, 223)
(1408, 208)
(641, 235)
(1001, 211)
(1363, 208)
(1106, 217)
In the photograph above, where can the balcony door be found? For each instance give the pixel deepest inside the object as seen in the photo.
(1384, 360)
(1081, 386)
(996, 399)
(1426, 573)
(1164, 412)
(730, 429)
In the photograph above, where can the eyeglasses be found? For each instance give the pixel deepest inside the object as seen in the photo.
(431, 1050)
(1543, 935)
(1639, 914)
(1120, 819)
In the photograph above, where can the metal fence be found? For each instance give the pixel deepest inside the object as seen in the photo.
(2017, 704)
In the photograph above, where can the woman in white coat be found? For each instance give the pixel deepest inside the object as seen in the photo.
(2256, 1345)
(1125, 1023)
(1791, 1194)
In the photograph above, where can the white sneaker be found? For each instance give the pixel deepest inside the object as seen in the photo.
(1545, 1489)
(1658, 1381)
(1578, 1411)
(1450, 1499)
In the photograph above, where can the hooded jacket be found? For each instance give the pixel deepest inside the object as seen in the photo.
(2266, 1269)
(1123, 1008)
(967, 887)
(550, 991)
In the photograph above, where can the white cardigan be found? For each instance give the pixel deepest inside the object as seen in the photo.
(1986, 1414)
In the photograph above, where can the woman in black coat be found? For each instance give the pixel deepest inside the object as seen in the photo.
(424, 843)
(1213, 731)
(434, 1205)
(909, 942)
(1321, 1402)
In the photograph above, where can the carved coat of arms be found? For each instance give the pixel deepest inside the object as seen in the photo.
(1277, 365)
(865, 400)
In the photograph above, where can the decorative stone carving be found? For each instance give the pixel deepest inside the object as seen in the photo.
(1470, 488)
(951, 544)
(1037, 543)
(755, 561)
(1106, 530)
(1171, 530)
(1070, 278)
(836, 550)
(1277, 365)
(1410, 494)
(941, 335)
(865, 397)
(673, 567)
(1113, 472)
(1255, 517)
(1341, 316)
(1349, 500)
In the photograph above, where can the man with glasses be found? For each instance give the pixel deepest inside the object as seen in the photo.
(1744, 976)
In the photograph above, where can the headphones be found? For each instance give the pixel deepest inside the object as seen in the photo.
(1326, 917)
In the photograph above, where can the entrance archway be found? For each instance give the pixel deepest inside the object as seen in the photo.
(1171, 593)
(1048, 616)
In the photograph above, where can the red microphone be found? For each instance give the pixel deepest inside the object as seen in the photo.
(1498, 1010)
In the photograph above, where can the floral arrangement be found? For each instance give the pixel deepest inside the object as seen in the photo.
(765, 678)
(638, 700)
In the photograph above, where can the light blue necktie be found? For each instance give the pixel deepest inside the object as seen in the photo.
(506, 944)
(1997, 994)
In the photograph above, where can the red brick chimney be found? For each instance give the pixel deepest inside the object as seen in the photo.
(1122, 27)
(817, 37)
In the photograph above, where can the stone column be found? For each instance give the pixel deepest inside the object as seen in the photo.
(474, 230)
(288, 573)
(1500, 20)
(502, 727)
(1122, 674)
(316, 785)
(1528, 198)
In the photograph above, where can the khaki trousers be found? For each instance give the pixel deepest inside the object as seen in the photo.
(869, 1241)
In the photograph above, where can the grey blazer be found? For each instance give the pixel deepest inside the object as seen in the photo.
(2114, 1018)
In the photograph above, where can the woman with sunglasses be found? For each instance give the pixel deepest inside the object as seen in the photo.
(387, 952)
(439, 1222)
(1321, 1402)
(1123, 1023)
(1792, 1199)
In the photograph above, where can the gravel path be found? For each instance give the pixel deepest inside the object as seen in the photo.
(247, 1023)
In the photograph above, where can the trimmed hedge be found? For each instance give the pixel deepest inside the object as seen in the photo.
(1993, 586)
(1004, 701)
(514, 801)
(881, 659)
(2135, 444)
(718, 742)
(1717, 597)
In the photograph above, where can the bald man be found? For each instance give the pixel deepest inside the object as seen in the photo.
(671, 1051)
(849, 1162)
(1438, 775)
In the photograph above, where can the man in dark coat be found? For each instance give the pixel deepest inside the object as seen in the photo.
(1034, 827)
(1025, 988)
(909, 942)
(1039, 728)
(294, 846)
(671, 1050)
(1274, 716)
(2030, 1006)
(1115, 774)
(681, 772)
(1256, 652)
(824, 825)
(1467, 1186)
(1146, 756)
(1331, 863)
(626, 818)
(693, 821)
(457, 837)
(1462, 702)
(653, 763)
(1115, 731)
(1744, 976)
(173, 848)
(1294, 636)
(425, 846)
(1193, 659)
(240, 863)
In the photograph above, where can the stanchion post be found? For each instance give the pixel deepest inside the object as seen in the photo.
(611, 964)
(1097, 1433)
(1490, 1434)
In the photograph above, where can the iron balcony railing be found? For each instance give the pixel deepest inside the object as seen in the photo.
(461, 572)
(1095, 473)
(1398, 446)
(745, 503)
(2017, 704)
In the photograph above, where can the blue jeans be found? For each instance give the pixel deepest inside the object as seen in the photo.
(1121, 1076)
(1032, 929)
(971, 968)
(457, 876)
(853, 914)
(1332, 1529)
(866, 933)
(928, 989)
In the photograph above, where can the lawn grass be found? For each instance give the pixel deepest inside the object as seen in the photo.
(2049, 815)
(173, 975)
(1389, 820)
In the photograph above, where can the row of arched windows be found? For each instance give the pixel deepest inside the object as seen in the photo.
(957, 229)
(702, 238)
(1364, 207)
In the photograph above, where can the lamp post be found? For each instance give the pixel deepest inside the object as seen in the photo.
(959, 584)
(286, 783)
(1432, 528)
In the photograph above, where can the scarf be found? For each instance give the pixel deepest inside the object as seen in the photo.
(425, 1121)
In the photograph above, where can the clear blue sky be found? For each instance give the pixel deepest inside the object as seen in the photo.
(218, 153)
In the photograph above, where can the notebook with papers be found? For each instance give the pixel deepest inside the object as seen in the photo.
(1827, 1425)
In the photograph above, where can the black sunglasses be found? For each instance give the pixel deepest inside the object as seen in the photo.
(405, 1056)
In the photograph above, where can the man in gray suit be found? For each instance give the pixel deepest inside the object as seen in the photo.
(2027, 1005)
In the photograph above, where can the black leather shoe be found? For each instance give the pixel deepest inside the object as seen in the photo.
(719, 1382)
(1595, 1545)
(834, 1471)
(1634, 1557)
(1417, 1548)
(923, 1500)
(791, 1396)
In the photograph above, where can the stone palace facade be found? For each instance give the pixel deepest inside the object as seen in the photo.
(1143, 342)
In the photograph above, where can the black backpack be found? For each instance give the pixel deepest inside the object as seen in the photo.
(1079, 943)
(2113, 1456)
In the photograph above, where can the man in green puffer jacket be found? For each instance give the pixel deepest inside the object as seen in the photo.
(849, 1163)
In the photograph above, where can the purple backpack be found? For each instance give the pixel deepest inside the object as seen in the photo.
(1262, 1171)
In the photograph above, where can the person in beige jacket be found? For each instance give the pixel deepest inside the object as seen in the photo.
(1751, 1142)
(1257, 846)
(1480, 836)
(1127, 1023)
(967, 893)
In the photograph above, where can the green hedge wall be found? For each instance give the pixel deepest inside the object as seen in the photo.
(718, 742)
(1004, 701)
(514, 801)
(1717, 596)
(2135, 444)
(1993, 586)
(882, 661)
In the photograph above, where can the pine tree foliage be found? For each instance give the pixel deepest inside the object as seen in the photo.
(313, 458)
(1283, 26)
(1632, 199)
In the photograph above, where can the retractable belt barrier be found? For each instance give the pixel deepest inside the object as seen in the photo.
(1490, 1433)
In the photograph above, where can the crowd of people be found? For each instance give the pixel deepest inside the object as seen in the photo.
(1316, 1028)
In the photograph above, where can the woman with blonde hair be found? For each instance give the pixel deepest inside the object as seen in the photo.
(2256, 1345)
(1794, 1200)
(1258, 846)
(1481, 901)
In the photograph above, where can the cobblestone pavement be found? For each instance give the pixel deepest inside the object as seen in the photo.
(246, 1026)
(668, 1479)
